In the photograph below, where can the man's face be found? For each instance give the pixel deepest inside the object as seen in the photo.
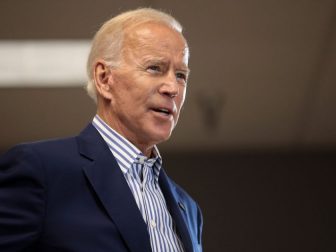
(149, 87)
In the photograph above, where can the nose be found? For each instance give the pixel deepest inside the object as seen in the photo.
(169, 86)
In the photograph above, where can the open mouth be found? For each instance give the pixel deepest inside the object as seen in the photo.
(163, 111)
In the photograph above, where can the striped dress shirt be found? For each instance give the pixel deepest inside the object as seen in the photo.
(142, 174)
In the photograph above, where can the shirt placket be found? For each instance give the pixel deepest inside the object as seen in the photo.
(151, 219)
(144, 193)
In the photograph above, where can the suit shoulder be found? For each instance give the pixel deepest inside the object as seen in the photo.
(46, 148)
(49, 143)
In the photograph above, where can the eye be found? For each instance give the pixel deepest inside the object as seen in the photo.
(181, 76)
(154, 69)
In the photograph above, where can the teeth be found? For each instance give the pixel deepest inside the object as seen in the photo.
(162, 110)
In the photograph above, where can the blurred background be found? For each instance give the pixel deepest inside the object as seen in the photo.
(256, 141)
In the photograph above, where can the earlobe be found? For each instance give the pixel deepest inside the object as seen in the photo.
(103, 79)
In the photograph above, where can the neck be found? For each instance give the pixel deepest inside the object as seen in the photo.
(109, 120)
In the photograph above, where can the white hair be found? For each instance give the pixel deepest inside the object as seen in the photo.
(108, 41)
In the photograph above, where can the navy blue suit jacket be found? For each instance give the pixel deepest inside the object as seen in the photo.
(70, 195)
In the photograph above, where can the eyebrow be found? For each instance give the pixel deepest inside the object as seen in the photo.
(162, 60)
(185, 69)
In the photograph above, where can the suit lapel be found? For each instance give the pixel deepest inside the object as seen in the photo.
(175, 211)
(112, 190)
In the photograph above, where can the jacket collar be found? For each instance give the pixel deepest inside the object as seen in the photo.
(173, 204)
(108, 181)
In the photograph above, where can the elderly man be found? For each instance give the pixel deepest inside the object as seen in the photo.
(105, 189)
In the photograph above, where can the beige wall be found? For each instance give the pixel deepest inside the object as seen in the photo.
(263, 72)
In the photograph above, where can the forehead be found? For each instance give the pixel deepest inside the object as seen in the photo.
(153, 39)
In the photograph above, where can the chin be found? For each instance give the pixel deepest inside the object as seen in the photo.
(161, 136)
(160, 131)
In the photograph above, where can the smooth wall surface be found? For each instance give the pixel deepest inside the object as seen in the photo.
(262, 72)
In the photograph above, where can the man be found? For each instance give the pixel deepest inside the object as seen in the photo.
(105, 189)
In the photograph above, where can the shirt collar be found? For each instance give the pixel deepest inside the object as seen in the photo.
(124, 151)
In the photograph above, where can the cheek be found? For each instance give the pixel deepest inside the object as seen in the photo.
(181, 97)
(126, 91)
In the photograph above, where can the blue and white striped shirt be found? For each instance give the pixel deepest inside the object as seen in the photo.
(142, 174)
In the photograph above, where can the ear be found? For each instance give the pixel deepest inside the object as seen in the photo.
(103, 79)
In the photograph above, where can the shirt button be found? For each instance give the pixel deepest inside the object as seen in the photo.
(152, 223)
(142, 160)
